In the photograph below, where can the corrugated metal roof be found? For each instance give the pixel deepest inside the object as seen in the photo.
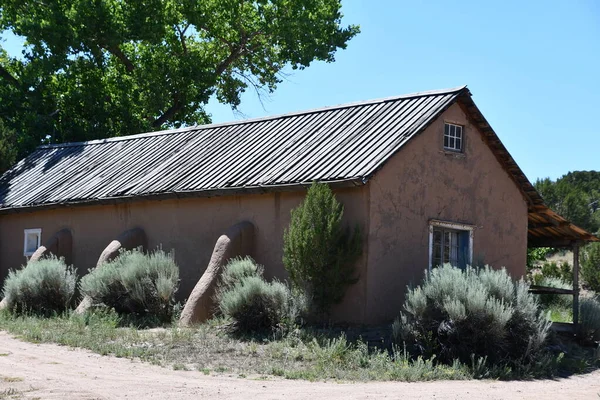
(343, 145)
(346, 143)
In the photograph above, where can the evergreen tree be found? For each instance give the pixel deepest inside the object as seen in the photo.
(318, 252)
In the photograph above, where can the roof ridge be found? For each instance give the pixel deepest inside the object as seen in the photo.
(259, 119)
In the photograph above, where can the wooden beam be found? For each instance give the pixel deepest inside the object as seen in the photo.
(575, 283)
(548, 225)
(549, 242)
(548, 290)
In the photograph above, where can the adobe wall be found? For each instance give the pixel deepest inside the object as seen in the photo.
(422, 182)
(189, 227)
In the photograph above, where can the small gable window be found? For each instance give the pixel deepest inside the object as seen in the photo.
(453, 137)
(32, 241)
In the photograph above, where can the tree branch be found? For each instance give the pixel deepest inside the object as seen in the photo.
(170, 113)
(8, 77)
(115, 50)
(182, 37)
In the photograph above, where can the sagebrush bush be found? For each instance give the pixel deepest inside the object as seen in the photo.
(135, 283)
(471, 314)
(236, 270)
(253, 305)
(588, 329)
(590, 266)
(44, 287)
(318, 253)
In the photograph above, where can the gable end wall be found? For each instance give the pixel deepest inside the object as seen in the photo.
(422, 182)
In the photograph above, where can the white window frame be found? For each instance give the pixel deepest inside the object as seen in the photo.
(434, 223)
(461, 137)
(27, 232)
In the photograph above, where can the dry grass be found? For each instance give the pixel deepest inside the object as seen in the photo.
(303, 354)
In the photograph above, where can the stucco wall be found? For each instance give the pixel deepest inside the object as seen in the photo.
(422, 182)
(189, 227)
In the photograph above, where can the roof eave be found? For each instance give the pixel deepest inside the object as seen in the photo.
(292, 187)
(537, 237)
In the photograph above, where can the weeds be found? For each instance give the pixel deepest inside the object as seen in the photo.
(301, 354)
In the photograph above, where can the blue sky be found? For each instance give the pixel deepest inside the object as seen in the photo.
(533, 68)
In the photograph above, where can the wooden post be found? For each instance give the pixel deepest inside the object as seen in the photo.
(575, 283)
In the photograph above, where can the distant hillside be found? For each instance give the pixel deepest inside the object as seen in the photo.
(575, 196)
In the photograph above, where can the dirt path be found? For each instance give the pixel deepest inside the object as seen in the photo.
(49, 371)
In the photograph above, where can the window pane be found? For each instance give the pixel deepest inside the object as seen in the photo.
(458, 144)
(446, 255)
(447, 238)
(446, 129)
(437, 236)
(459, 131)
(454, 249)
(446, 252)
(32, 242)
(451, 143)
(437, 248)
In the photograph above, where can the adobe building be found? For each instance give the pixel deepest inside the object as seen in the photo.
(424, 175)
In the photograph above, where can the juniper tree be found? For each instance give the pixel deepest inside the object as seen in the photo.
(319, 253)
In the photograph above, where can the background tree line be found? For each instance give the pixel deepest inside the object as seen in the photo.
(575, 196)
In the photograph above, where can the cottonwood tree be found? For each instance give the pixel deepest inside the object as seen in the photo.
(98, 68)
(8, 151)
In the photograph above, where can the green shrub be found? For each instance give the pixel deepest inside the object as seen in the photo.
(135, 283)
(535, 254)
(590, 266)
(589, 320)
(566, 272)
(472, 314)
(253, 305)
(550, 269)
(238, 269)
(42, 287)
(318, 253)
(256, 306)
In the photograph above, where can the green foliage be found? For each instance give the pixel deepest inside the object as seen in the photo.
(135, 283)
(8, 150)
(254, 305)
(318, 253)
(301, 354)
(535, 254)
(42, 287)
(554, 301)
(589, 320)
(554, 270)
(590, 266)
(236, 270)
(478, 313)
(113, 67)
(575, 196)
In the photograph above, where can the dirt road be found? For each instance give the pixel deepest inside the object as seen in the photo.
(49, 371)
